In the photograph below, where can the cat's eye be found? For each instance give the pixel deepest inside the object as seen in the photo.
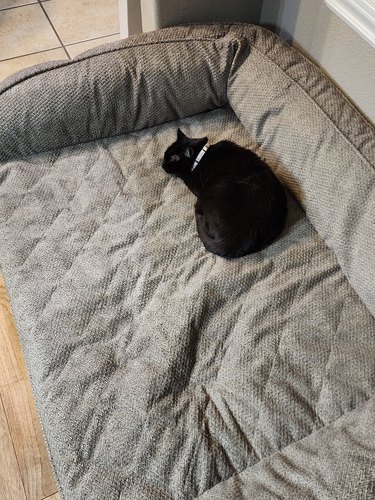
(174, 158)
(189, 152)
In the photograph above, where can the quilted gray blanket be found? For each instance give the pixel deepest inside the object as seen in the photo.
(161, 371)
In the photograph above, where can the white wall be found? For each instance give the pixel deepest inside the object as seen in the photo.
(347, 58)
(162, 13)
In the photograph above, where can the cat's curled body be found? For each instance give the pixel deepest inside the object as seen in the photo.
(241, 205)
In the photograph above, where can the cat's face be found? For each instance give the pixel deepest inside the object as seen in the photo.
(180, 156)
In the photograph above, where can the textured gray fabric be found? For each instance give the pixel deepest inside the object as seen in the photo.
(334, 462)
(328, 164)
(160, 370)
(128, 87)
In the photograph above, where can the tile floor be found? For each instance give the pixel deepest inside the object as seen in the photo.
(34, 31)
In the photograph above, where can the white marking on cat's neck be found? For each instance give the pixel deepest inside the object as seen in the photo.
(200, 156)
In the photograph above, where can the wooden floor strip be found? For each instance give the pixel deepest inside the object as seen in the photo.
(12, 365)
(33, 461)
(11, 487)
(25, 470)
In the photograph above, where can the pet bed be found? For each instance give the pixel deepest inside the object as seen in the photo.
(160, 370)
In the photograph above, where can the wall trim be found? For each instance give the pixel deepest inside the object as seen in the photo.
(359, 14)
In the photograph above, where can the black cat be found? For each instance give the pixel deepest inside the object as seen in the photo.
(241, 206)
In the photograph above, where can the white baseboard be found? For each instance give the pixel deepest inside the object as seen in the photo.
(359, 14)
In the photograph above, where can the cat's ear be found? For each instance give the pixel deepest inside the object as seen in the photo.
(201, 142)
(180, 135)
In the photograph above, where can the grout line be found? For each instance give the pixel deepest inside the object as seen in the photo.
(32, 2)
(57, 46)
(19, 6)
(31, 53)
(54, 29)
(90, 39)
